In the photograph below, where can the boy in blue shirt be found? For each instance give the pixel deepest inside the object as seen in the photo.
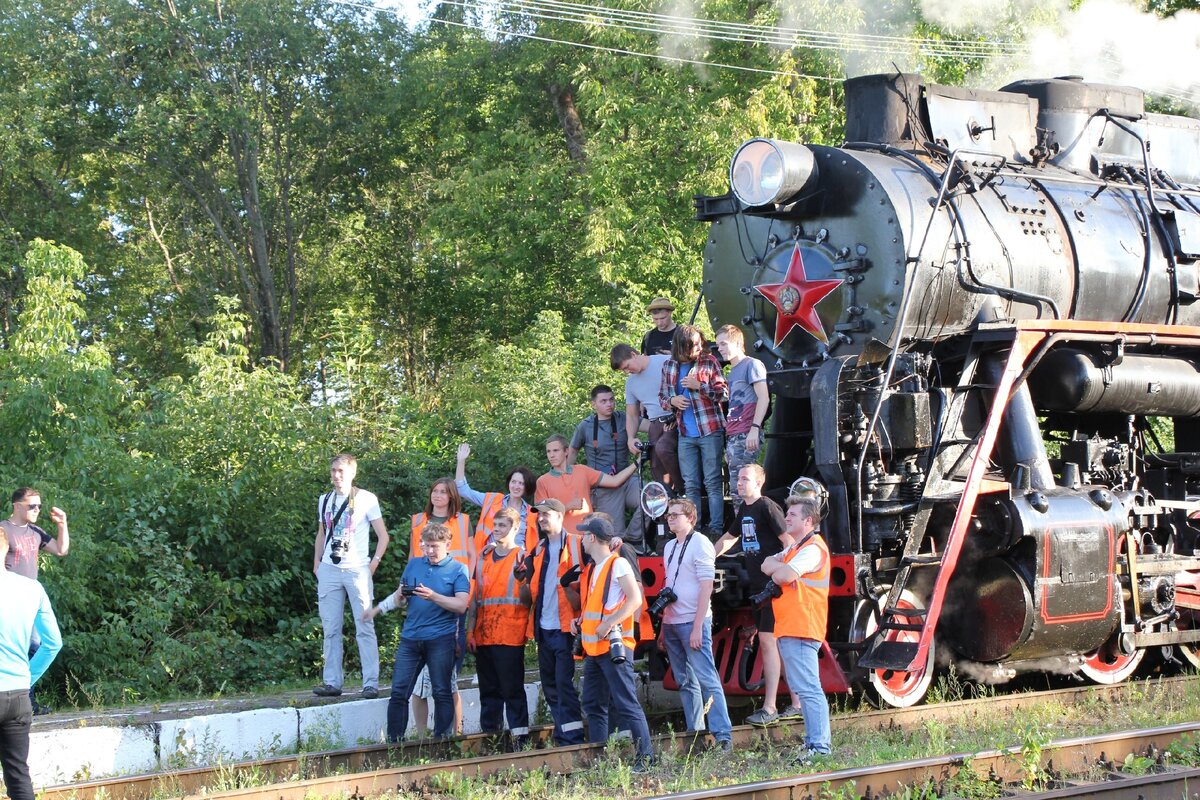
(436, 589)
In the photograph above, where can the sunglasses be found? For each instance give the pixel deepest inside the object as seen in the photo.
(34, 506)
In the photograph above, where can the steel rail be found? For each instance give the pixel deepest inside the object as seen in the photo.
(311, 769)
(1006, 766)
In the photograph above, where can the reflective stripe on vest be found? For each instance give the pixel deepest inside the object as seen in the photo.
(594, 608)
(501, 618)
(459, 528)
(802, 611)
(568, 556)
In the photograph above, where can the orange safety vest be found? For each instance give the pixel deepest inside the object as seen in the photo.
(501, 617)
(493, 502)
(802, 611)
(595, 608)
(568, 556)
(459, 527)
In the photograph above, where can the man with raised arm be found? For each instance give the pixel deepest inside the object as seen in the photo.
(27, 612)
(25, 542)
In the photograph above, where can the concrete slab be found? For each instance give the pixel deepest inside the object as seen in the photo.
(79, 754)
(209, 738)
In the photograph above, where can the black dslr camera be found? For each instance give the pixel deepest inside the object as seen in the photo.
(408, 589)
(769, 593)
(664, 599)
(338, 549)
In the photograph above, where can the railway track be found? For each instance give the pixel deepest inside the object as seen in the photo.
(372, 769)
(999, 768)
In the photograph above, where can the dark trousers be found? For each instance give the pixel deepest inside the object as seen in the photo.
(557, 667)
(16, 715)
(501, 670)
(664, 458)
(411, 656)
(609, 690)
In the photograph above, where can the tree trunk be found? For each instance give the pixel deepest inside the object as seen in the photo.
(568, 118)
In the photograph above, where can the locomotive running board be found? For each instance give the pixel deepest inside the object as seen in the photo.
(905, 656)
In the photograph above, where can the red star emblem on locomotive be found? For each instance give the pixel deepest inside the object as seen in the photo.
(796, 299)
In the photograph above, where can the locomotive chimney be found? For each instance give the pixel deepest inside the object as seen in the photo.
(884, 109)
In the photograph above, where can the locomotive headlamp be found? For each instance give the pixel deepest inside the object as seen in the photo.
(769, 171)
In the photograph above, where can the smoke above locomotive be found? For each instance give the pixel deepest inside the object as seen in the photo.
(980, 326)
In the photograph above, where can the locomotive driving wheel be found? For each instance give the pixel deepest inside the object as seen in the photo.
(890, 687)
(1187, 592)
(1109, 664)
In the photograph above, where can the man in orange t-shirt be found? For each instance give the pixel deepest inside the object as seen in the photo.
(571, 484)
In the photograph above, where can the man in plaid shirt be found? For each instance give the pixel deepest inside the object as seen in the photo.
(694, 388)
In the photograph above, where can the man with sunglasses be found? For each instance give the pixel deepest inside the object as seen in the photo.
(25, 542)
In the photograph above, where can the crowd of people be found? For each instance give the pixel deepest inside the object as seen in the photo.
(553, 559)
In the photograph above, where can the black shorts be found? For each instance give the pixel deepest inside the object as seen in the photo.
(764, 618)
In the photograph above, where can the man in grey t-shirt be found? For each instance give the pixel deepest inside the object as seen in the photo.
(643, 412)
(602, 438)
(748, 400)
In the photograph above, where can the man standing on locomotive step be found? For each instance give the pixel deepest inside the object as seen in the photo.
(27, 612)
(345, 518)
(25, 542)
(748, 400)
(801, 614)
(601, 438)
(657, 340)
(644, 413)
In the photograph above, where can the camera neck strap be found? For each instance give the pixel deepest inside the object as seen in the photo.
(678, 554)
(333, 522)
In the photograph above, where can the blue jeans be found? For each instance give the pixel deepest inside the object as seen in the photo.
(606, 685)
(557, 667)
(804, 677)
(411, 656)
(696, 673)
(702, 455)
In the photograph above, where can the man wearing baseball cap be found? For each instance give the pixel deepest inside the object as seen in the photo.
(610, 598)
(657, 340)
(550, 582)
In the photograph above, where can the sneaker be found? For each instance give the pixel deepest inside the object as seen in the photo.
(641, 765)
(40, 710)
(791, 712)
(327, 691)
(723, 746)
(808, 757)
(763, 718)
(369, 692)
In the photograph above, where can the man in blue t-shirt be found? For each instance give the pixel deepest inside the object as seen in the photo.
(26, 611)
(748, 400)
(436, 589)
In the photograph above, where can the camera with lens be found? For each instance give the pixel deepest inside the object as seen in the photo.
(577, 647)
(338, 549)
(664, 599)
(644, 447)
(616, 645)
(769, 593)
(408, 589)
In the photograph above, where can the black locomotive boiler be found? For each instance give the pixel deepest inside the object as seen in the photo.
(980, 322)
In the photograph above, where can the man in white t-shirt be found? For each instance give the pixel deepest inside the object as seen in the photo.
(643, 412)
(689, 566)
(345, 518)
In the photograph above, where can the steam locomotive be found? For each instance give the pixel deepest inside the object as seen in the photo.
(980, 322)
